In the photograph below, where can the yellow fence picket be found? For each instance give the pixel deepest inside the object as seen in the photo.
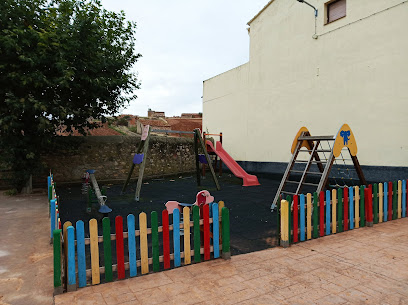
(357, 207)
(93, 234)
(220, 206)
(309, 215)
(65, 236)
(284, 223)
(144, 255)
(399, 198)
(187, 248)
(334, 211)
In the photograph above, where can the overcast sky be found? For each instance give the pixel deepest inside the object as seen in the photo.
(184, 43)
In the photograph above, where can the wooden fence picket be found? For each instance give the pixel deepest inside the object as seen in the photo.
(309, 215)
(315, 215)
(166, 239)
(385, 201)
(216, 230)
(107, 249)
(186, 221)
(375, 203)
(80, 237)
(225, 220)
(57, 261)
(321, 209)
(93, 233)
(120, 255)
(155, 241)
(404, 198)
(362, 207)
(197, 241)
(356, 207)
(284, 223)
(328, 206)
(206, 217)
(144, 254)
(339, 210)
(394, 199)
(346, 209)
(390, 203)
(131, 228)
(71, 281)
(351, 207)
(302, 217)
(333, 210)
(295, 218)
(380, 203)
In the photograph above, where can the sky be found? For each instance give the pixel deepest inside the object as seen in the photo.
(182, 44)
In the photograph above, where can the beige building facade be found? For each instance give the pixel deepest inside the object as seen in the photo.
(304, 71)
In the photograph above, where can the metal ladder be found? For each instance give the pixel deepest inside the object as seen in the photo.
(313, 142)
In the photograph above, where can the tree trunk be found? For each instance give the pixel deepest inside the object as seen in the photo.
(28, 188)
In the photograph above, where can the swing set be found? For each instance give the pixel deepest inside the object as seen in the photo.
(140, 157)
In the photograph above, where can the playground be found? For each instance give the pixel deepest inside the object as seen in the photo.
(211, 214)
(253, 226)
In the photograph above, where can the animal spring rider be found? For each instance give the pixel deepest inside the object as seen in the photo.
(103, 208)
(202, 198)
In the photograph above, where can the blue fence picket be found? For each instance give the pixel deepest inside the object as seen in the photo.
(80, 236)
(52, 215)
(48, 185)
(216, 230)
(385, 201)
(176, 237)
(302, 217)
(71, 256)
(351, 208)
(404, 198)
(328, 212)
(132, 245)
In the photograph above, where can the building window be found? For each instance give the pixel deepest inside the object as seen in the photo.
(335, 10)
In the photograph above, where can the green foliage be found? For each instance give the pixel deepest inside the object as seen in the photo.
(122, 122)
(11, 192)
(133, 129)
(62, 63)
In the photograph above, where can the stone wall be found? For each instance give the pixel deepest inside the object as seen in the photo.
(111, 157)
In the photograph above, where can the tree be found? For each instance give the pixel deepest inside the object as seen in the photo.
(62, 63)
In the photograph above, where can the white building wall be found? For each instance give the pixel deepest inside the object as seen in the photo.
(355, 73)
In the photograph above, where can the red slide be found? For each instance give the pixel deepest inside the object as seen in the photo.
(238, 171)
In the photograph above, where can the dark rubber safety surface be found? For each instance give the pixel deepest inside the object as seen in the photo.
(253, 225)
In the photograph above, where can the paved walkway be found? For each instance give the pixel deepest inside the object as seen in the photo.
(363, 266)
(26, 265)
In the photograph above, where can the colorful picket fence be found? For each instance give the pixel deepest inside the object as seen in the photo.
(209, 229)
(55, 222)
(303, 217)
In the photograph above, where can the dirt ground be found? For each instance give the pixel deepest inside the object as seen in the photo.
(26, 263)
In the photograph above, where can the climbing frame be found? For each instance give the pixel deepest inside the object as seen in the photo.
(318, 165)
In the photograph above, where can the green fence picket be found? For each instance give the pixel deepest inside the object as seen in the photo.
(375, 202)
(107, 249)
(197, 241)
(225, 233)
(362, 206)
(394, 199)
(155, 241)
